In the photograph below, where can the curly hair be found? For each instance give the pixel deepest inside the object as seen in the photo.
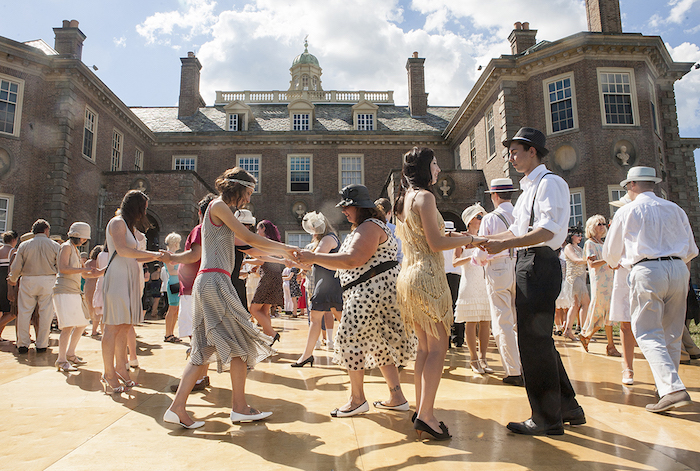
(592, 223)
(133, 210)
(232, 192)
(271, 231)
(415, 173)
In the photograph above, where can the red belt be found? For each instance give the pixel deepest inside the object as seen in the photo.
(216, 270)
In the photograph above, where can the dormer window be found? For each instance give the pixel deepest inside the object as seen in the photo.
(238, 115)
(300, 122)
(364, 116)
(233, 122)
(365, 122)
(301, 114)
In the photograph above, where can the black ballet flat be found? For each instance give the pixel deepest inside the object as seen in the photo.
(275, 339)
(421, 427)
(297, 364)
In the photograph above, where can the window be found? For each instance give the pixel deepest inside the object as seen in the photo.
(184, 162)
(300, 122)
(615, 192)
(6, 206)
(351, 170)
(490, 133)
(138, 160)
(89, 133)
(11, 91)
(299, 176)
(298, 239)
(251, 164)
(560, 102)
(117, 139)
(618, 99)
(472, 149)
(578, 207)
(233, 122)
(365, 122)
(652, 103)
(305, 82)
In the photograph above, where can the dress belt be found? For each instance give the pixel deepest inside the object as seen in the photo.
(215, 270)
(657, 259)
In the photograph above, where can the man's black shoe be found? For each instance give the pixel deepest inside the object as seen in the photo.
(22, 350)
(574, 416)
(531, 428)
(514, 380)
(41, 350)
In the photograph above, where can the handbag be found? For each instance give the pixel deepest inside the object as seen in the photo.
(174, 288)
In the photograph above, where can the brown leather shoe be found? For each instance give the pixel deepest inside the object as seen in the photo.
(671, 401)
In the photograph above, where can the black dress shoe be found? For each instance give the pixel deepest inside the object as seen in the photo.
(22, 350)
(514, 380)
(574, 416)
(531, 428)
(41, 350)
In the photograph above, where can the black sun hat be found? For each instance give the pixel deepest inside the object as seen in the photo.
(355, 195)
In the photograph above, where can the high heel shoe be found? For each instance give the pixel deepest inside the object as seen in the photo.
(297, 364)
(64, 366)
(419, 426)
(109, 389)
(275, 338)
(584, 341)
(569, 335)
(76, 360)
(129, 383)
(612, 352)
(476, 367)
(172, 418)
(485, 366)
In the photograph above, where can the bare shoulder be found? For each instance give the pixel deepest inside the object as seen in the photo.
(424, 197)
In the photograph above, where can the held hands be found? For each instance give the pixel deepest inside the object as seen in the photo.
(305, 257)
(477, 242)
(165, 256)
(493, 246)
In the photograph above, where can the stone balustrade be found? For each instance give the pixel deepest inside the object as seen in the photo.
(314, 96)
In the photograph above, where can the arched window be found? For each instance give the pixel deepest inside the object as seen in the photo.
(305, 82)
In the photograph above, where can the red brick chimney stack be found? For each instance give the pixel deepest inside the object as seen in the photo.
(522, 38)
(190, 99)
(69, 40)
(604, 16)
(417, 98)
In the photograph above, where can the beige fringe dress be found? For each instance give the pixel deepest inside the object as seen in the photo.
(422, 290)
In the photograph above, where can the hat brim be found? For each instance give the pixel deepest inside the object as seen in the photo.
(359, 204)
(503, 190)
(639, 179)
(542, 150)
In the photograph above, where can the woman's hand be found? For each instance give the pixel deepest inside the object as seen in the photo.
(305, 257)
(477, 241)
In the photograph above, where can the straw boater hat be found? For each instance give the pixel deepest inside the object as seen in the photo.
(26, 236)
(314, 223)
(621, 202)
(80, 230)
(640, 174)
(471, 212)
(501, 185)
(530, 136)
(244, 216)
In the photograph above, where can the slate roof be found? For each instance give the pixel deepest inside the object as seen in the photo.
(330, 118)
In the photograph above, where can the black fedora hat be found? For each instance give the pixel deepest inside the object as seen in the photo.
(531, 136)
(355, 195)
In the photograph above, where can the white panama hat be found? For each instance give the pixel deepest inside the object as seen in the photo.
(640, 174)
(244, 216)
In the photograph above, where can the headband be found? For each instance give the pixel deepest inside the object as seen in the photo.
(242, 182)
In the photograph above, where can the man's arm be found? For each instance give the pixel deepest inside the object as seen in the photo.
(507, 240)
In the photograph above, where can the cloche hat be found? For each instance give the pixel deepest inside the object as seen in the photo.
(640, 174)
(471, 212)
(531, 136)
(314, 223)
(355, 195)
(501, 185)
(80, 230)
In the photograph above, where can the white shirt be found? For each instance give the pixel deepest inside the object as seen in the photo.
(649, 227)
(492, 224)
(552, 208)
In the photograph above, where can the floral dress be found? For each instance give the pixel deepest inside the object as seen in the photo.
(601, 290)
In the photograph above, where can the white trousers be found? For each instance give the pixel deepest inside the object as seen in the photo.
(35, 291)
(184, 318)
(658, 291)
(500, 287)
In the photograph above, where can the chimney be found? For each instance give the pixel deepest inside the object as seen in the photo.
(417, 98)
(522, 38)
(190, 99)
(603, 16)
(69, 40)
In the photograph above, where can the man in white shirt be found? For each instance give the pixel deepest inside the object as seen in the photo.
(500, 280)
(541, 220)
(652, 238)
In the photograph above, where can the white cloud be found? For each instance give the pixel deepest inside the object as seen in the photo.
(119, 42)
(197, 20)
(688, 90)
(694, 30)
(679, 10)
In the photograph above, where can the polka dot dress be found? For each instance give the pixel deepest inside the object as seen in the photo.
(371, 332)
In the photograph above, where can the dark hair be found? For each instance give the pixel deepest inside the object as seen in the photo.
(365, 213)
(96, 250)
(527, 146)
(232, 192)
(9, 236)
(415, 173)
(75, 241)
(573, 231)
(40, 225)
(133, 210)
(204, 203)
(384, 204)
(271, 231)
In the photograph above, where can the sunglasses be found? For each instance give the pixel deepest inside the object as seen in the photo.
(601, 224)
(479, 217)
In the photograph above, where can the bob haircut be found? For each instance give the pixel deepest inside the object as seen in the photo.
(592, 223)
(573, 231)
(232, 192)
(173, 239)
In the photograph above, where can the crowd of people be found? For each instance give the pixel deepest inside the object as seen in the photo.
(398, 293)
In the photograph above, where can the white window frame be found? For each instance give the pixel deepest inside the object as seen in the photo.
(548, 102)
(94, 123)
(8, 211)
(18, 105)
(490, 151)
(299, 235)
(240, 157)
(289, 172)
(654, 104)
(299, 123)
(633, 95)
(234, 122)
(117, 151)
(582, 191)
(138, 159)
(472, 149)
(365, 121)
(340, 168)
(615, 192)
(176, 158)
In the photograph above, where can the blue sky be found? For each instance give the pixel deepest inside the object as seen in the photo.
(361, 44)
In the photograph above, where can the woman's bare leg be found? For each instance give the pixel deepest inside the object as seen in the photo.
(131, 342)
(74, 339)
(171, 320)
(189, 377)
(357, 390)
(432, 372)
(471, 341)
(261, 313)
(63, 341)
(628, 342)
(315, 318)
(391, 376)
(484, 335)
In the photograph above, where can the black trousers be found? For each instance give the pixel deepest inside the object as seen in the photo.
(457, 334)
(538, 282)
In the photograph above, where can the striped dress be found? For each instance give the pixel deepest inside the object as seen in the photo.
(222, 326)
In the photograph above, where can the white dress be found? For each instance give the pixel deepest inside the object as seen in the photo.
(472, 301)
